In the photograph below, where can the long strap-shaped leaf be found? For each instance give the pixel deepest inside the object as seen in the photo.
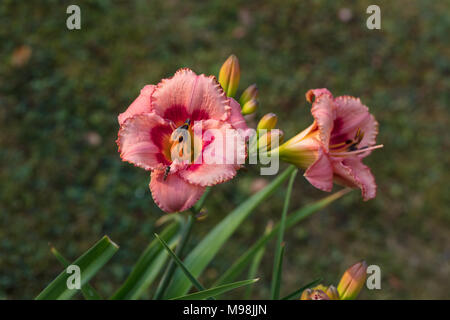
(89, 263)
(204, 252)
(87, 290)
(256, 261)
(209, 293)
(148, 266)
(180, 264)
(167, 275)
(292, 219)
(278, 262)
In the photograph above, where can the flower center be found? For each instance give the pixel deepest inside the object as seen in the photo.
(181, 143)
(351, 146)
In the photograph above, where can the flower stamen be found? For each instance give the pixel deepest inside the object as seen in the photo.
(357, 151)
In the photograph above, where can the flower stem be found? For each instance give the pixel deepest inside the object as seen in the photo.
(167, 277)
(277, 264)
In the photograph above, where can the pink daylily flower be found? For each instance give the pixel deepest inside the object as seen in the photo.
(332, 148)
(149, 136)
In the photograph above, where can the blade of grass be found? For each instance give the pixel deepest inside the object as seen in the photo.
(89, 263)
(239, 265)
(276, 294)
(185, 270)
(255, 263)
(209, 293)
(277, 263)
(296, 293)
(89, 293)
(148, 265)
(199, 258)
(167, 276)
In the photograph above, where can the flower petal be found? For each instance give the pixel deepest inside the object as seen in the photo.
(223, 152)
(187, 95)
(173, 194)
(323, 111)
(353, 173)
(352, 115)
(140, 140)
(320, 173)
(236, 118)
(140, 105)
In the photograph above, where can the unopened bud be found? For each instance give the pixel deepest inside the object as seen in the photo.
(229, 75)
(250, 107)
(314, 294)
(250, 93)
(268, 122)
(203, 213)
(352, 281)
(320, 292)
(270, 140)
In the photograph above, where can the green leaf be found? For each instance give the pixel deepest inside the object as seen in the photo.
(89, 263)
(277, 261)
(209, 293)
(275, 294)
(177, 260)
(204, 252)
(167, 276)
(239, 265)
(296, 293)
(148, 265)
(87, 290)
(255, 264)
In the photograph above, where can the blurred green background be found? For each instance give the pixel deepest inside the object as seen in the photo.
(62, 181)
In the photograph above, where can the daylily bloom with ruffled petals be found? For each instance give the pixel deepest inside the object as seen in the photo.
(332, 148)
(150, 135)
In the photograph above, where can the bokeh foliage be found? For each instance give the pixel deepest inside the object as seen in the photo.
(62, 180)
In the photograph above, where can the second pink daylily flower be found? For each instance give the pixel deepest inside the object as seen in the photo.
(332, 148)
(150, 135)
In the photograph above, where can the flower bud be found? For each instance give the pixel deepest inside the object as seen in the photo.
(352, 281)
(314, 294)
(229, 75)
(301, 150)
(270, 139)
(320, 292)
(332, 293)
(268, 122)
(202, 214)
(249, 107)
(250, 93)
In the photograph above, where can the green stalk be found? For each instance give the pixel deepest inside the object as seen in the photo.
(277, 263)
(255, 264)
(295, 217)
(183, 268)
(165, 280)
